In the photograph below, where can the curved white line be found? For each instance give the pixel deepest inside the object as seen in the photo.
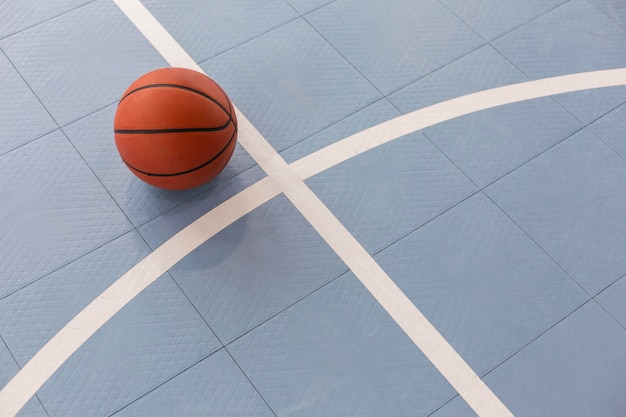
(367, 139)
(50, 357)
(74, 334)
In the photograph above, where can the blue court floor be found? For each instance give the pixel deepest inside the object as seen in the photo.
(504, 226)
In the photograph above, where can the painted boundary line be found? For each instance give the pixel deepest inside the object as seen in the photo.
(289, 179)
(443, 356)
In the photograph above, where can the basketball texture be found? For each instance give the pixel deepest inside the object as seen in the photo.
(175, 128)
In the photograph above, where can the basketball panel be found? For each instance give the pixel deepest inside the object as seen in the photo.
(183, 77)
(167, 108)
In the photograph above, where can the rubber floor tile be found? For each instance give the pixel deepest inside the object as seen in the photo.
(572, 201)
(306, 6)
(22, 116)
(16, 15)
(379, 112)
(155, 337)
(387, 192)
(487, 145)
(482, 282)
(614, 9)
(590, 105)
(455, 408)
(573, 38)
(207, 28)
(338, 353)
(33, 315)
(479, 70)
(214, 387)
(576, 26)
(83, 60)
(575, 369)
(53, 209)
(612, 299)
(493, 18)
(290, 83)
(612, 130)
(395, 42)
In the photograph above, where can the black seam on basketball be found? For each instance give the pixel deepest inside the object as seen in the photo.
(232, 137)
(230, 105)
(183, 87)
(174, 130)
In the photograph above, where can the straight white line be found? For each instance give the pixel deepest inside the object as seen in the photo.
(39, 369)
(443, 356)
(410, 319)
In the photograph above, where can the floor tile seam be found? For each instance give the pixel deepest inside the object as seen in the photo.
(256, 389)
(584, 127)
(90, 113)
(554, 98)
(7, 36)
(342, 55)
(536, 338)
(490, 42)
(434, 218)
(65, 264)
(331, 124)
(6, 345)
(247, 41)
(158, 385)
(392, 91)
(121, 210)
(606, 287)
(116, 101)
(225, 346)
(475, 192)
(34, 93)
(608, 16)
(535, 156)
(30, 141)
(184, 293)
(541, 248)
(43, 407)
(316, 8)
(434, 71)
(511, 30)
(17, 364)
(467, 25)
(606, 310)
(435, 411)
(287, 308)
(445, 155)
(608, 145)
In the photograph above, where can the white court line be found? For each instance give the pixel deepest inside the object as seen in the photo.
(380, 134)
(39, 369)
(443, 356)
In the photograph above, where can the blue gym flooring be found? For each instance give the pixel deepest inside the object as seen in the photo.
(506, 227)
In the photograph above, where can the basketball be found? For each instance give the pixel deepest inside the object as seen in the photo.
(175, 128)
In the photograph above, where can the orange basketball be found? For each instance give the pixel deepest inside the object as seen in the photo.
(175, 128)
